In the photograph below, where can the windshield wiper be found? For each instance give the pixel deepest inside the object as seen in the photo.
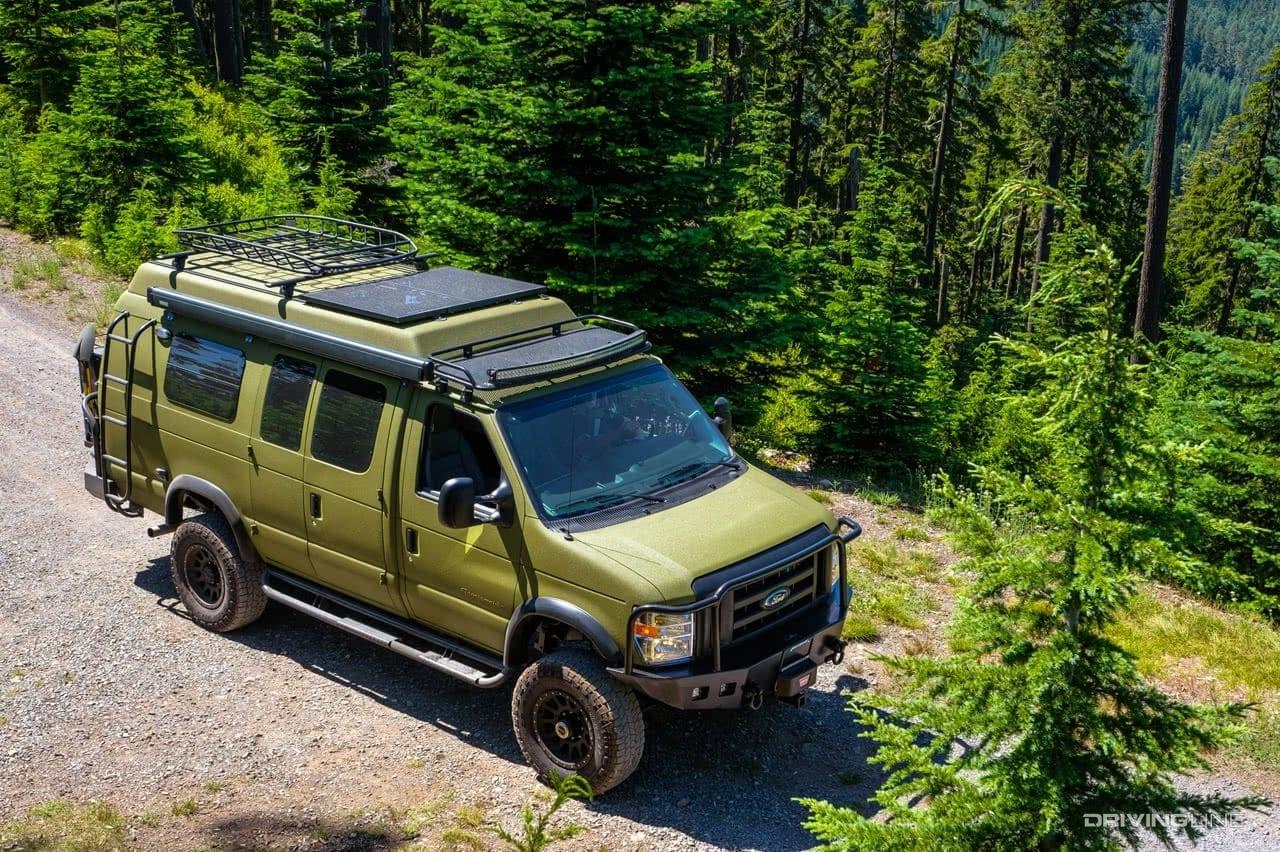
(605, 500)
(689, 471)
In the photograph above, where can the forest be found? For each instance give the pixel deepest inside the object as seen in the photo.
(903, 237)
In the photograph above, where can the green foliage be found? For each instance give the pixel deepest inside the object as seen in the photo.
(869, 387)
(1220, 398)
(140, 229)
(1039, 719)
(1218, 206)
(62, 826)
(322, 89)
(565, 143)
(534, 835)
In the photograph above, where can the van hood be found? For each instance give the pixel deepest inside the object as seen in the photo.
(727, 524)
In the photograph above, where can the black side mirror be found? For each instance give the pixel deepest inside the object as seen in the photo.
(458, 503)
(723, 419)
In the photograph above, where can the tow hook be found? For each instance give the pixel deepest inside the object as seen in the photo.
(752, 697)
(837, 645)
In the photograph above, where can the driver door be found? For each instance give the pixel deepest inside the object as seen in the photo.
(461, 581)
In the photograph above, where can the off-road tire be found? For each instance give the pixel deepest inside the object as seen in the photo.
(570, 716)
(219, 590)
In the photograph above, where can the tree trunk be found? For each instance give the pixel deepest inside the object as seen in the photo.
(1151, 280)
(940, 151)
(1052, 177)
(793, 186)
(1019, 235)
(377, 39)
(890, 69)
(228, 41)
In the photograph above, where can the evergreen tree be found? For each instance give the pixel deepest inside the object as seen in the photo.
(1065, 82)
(41, 43)
(565, 143)
(126, 126)
(1039, 724)
(1219, 205)
(870, 352)
(1220, 395)
(321, 86)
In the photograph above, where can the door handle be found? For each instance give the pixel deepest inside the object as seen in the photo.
(411, 540)
(315, 505)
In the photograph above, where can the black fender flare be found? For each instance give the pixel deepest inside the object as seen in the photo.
(527, 616)
(185, 483)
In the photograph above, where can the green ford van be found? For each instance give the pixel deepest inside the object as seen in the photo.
(455, 466)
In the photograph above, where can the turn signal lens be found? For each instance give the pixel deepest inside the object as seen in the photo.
(662, 637)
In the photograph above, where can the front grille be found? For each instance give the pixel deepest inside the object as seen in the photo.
(775, 597)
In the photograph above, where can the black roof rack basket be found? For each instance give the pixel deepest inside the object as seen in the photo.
(534, 354)
(310, 246)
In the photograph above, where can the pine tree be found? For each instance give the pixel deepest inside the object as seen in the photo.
(1039, 725)
(565, 143)
(1219, 394)
(321, 86)
(1218, 206)
(1065, 83)
(869, 349)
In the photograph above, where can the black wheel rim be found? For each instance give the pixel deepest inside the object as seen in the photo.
(561, 726)
(201, 572)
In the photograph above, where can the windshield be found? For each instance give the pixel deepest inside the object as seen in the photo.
(620, 439)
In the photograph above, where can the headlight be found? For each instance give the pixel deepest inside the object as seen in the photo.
(664, 637)
(835, 564)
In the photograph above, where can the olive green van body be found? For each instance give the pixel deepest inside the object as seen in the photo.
(323, 437)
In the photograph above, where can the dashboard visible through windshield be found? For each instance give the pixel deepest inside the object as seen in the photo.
(626, 438)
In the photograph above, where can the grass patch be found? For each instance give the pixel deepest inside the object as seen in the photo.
(910, 532)
(46, 271)
(820, 496)
(860, 627)
(889, 588)
(185, 808)
(1259, 743)
(1240, 654)
(1211, 656)
(62, 825)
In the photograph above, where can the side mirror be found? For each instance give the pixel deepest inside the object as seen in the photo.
(458, 503)
(723, 419)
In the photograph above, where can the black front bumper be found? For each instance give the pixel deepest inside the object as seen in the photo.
(785, 673)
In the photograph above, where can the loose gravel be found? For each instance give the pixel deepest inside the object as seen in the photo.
(289, 734)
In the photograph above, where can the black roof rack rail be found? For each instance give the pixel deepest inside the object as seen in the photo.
(311, 246)
(531, 355)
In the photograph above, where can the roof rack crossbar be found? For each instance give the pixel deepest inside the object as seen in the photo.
(538, 353)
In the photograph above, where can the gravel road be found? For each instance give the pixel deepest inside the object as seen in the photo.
(289, 734)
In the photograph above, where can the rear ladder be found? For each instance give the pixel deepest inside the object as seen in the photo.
(118, 500)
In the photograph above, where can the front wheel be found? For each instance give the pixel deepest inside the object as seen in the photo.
(570, 716)
(219, 589)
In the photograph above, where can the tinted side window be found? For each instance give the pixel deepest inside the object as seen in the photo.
(204, 375)
(285, 403)
(347, 419)
(455, 445)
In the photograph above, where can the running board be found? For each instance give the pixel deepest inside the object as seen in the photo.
(372, 626)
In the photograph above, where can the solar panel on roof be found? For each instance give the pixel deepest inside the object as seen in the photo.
(423, 295)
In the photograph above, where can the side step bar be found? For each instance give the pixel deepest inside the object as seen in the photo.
(372, 626)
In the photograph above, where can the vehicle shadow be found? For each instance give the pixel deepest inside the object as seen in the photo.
(725, 778)
(731, 778)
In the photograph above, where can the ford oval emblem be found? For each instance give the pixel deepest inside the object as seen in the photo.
(775, 599)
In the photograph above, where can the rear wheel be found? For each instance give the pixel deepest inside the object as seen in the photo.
(220, 591)
(570, 716)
